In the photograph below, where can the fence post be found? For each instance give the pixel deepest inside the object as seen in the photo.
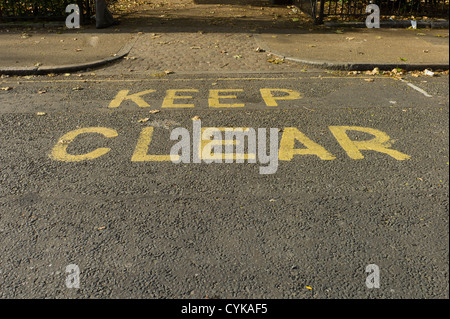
(319, 19)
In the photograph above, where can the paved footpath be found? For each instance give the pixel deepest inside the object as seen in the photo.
(192, 37)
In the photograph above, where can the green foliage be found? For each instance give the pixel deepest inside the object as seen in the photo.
(39, 8)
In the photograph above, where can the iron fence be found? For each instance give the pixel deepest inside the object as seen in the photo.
(43, 9)
(345, 9)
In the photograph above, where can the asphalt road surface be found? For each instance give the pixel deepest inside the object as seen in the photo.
(361, 179)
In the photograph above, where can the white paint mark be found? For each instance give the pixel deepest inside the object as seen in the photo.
(418, 89)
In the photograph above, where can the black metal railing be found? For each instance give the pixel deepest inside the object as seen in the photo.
(346, 9)
(43, 9)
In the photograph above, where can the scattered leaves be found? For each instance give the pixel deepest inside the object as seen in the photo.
(275, 61)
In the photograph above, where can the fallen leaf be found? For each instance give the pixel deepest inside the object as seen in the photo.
(196, 118)
(276, 61)
(78, 88)
(339, 31)
(143, 120)
(237, 56)
(101, 228)
(168, 72)
(402, 59)
(41, 113)
(42, 91)
(368, 80)
(154, 111)
(374, 71)
(6, 88)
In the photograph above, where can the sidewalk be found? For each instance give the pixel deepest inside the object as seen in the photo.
(363, 49)
(25, 51)
(230, 39)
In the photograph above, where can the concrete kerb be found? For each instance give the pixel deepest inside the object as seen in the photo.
(349, 66)
(391, 24)
(68, 68)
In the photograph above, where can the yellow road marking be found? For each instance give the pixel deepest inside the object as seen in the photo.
(141, 151)
(214, 98)
(171, 96)
(23, 81)
(380, 142)
(209, 151)
(287, 143)
(206, 148)
(59, 151)
(136, 98)
(272, 100)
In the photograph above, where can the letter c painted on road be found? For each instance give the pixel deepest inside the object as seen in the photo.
(59, 151)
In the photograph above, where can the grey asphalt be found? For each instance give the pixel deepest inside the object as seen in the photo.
(165, 230)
